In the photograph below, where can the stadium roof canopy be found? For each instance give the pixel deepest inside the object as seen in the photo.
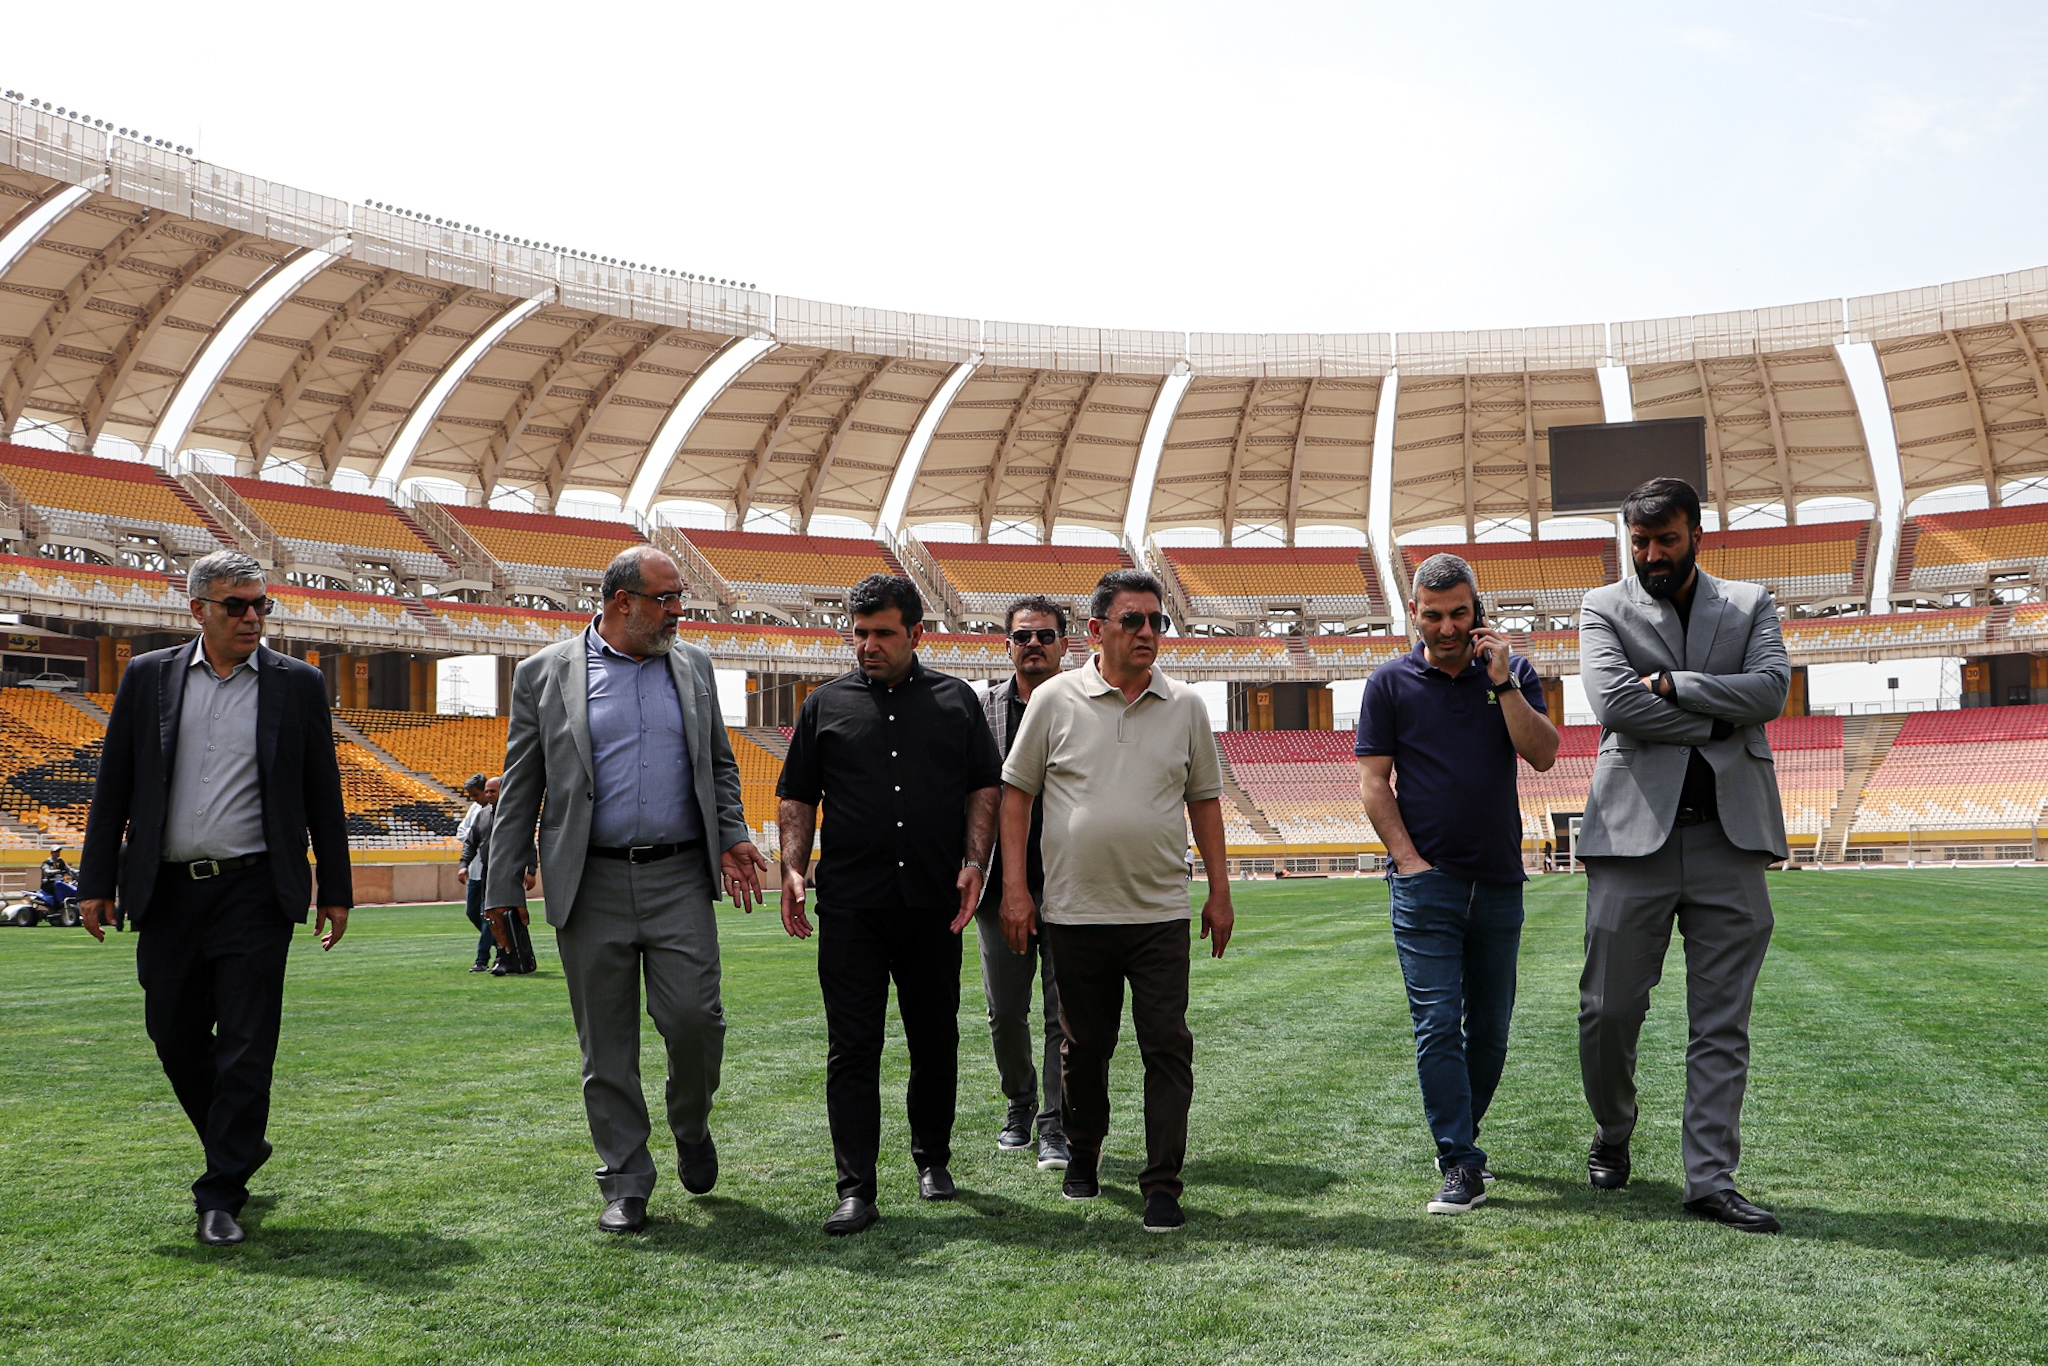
(398, 346)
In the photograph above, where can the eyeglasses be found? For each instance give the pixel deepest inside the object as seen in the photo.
(665, 599)
(236, 607)
(1133, 622)
(1044, 635)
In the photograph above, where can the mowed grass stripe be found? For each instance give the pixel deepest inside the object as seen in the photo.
(431, 1199)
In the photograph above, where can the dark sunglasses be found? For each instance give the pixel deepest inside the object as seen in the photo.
(1044, 635)
(235, 607)
(1132, 622)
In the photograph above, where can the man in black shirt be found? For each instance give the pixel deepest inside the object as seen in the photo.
(1037, 628)
(903, 756)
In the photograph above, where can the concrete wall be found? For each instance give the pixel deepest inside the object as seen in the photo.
(405, 884)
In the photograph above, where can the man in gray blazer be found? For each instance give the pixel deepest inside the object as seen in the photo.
(1683, 670)
(618, 749)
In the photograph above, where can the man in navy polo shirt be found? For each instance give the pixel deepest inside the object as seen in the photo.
(1450, 719)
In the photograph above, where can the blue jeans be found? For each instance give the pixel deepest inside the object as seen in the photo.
(1458, 941)
(474, 908)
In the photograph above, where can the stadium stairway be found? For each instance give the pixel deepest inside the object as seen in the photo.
(87, 705)
(1865, 742)
(390, 761)
(1246, 808)
(1902, 565)
(769, 738)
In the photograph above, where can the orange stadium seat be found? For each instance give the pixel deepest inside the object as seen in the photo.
(1797, 563)
(989, 578)
(1982, 771)
(1552, 576)
(447, 749)
(1891, 631)
(789, 570)
(341, 528)
(92, 585)
(88, 498)
(541, 550)
(1239, 582)
(1961, 549)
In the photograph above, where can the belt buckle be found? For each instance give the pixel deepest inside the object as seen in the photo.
(634, 851)
(213, 864)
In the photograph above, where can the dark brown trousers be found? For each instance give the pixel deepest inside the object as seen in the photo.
(1153, 958)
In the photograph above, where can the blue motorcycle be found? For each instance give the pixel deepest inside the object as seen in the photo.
(54, 903)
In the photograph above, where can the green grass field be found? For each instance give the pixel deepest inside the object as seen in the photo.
(431, 1197)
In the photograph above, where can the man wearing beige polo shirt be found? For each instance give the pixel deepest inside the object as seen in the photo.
(1119, 751)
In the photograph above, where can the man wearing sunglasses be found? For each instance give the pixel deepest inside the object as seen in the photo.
(1037, 631)
(617, 749)
(218, 770)
(1118, 752)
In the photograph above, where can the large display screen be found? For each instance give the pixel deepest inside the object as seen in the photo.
(1593, 466)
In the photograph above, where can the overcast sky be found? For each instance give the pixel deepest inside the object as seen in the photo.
(1202, 167)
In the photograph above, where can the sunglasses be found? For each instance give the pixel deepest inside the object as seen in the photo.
(1044, 635)
(1133, 622)
(236, 607)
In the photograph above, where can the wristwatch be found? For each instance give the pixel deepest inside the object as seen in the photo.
(970, 863)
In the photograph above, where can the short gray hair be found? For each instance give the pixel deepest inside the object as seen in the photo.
(222, 566)
(1442, 572)
(625, 572)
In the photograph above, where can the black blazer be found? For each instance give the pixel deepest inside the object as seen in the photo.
(294, 755)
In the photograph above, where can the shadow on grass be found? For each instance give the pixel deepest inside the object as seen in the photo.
(399, 1262)
(899, 1245)
(1937, 1237)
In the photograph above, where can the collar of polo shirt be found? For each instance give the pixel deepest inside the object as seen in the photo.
(1418, 660)
(1097, 685)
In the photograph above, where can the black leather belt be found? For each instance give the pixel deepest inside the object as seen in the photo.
(1692, 815)
(199, 870)
(643, 853)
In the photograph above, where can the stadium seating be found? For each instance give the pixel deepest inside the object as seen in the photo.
(1954, 550)
(1239, 583)
(1983, 771)
(1363, 653)
(759, 768)
(1807, 752)
(959, 652)
(447, 749)
(389, 809)
(1955, 627)
(2029, 622)
(72, 586)
(480, 623)
(323, 607)
(1819, 563)
(49, 752)
(988, 578)
(1550, 576)
(1211, 652)
(1305, 782)
(789, 571)
(544, 551)
(85, 498)
(326, 527)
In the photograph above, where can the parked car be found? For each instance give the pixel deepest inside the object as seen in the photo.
(54, 683)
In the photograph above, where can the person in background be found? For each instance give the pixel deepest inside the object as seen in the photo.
(1447, 721)
(616, 735)
(1683, 670)
(467, 870)
(515, 954)
(1037, 631)
(901, 758)
(217, 771)
(1126, 765)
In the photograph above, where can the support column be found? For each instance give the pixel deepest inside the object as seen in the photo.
(2037, 678)
(1795, 695)
(417, 681)
(506, 664)
(1553, 700)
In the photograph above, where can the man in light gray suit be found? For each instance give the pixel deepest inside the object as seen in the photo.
(1683, 670)
(618, 749)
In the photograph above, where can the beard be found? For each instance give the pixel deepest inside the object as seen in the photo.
(661, 642)
(1664, 581)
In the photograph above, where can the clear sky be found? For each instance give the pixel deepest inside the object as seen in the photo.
(1258, 168)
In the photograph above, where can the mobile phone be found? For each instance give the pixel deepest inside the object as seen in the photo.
(1478, 612)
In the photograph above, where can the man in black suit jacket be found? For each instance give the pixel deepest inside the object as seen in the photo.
(219, 763)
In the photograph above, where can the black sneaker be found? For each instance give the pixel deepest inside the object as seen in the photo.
(1016, 1134)
(1162, 1213)
(1485, 1173)
(1052, 1152)
(479, 966)
(1464, 1190)
(1081, 1183)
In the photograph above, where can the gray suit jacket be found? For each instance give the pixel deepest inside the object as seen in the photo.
(1731, 666)
(548, 773)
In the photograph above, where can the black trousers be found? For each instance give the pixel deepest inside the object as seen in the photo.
(1094, 963)
(211, 959)
(859, 953)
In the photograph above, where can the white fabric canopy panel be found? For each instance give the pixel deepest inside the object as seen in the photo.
(1782, 424)
(1965, 378)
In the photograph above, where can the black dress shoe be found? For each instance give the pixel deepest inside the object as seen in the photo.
(1607, 1165)
(853, 1215)
(217, 1228)
(697, 1165)
(627, 1214)
(935, 1183)
(1728, 1207)
(498, 969)
(1081, 1182)
(1016, 1134)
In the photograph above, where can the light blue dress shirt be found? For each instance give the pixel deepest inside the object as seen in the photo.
(646, 789)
